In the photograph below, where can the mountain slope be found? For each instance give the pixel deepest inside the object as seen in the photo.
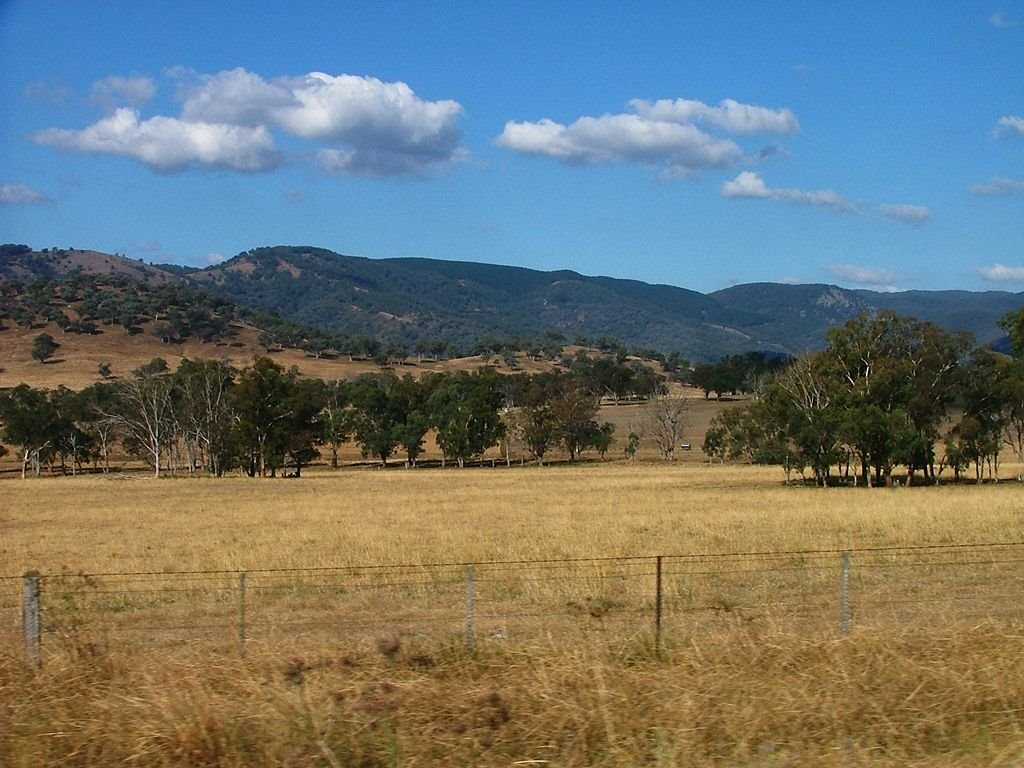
(412, 301)
(462, 302)
(799, 316)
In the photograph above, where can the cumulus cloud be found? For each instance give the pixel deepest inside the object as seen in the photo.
(1000, 20)
(228, 120)
(750, 185)
(113, 92)
(20, 194)
(879, 279)
(376, 128)
(234, 96)
(998, 185)
(730, 116)
(1009, 126)
(910, 214)
(683, 149)
(662, 133)
(999, 273)
(170, 144)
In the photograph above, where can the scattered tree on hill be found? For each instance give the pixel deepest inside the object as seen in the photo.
(44, 347)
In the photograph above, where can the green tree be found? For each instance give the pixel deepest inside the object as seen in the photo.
(376, 421)
(574, 409)
(204, 412)
(31, 424)
(260, 403)
(144, 413)
(74, 443)
(464, 409)
(44, 347)
(410, 401)
(303, 432)
(336, 417)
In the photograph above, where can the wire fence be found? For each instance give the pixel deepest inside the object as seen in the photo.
(656, 600)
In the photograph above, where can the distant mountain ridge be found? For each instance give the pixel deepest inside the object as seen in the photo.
(410, 300)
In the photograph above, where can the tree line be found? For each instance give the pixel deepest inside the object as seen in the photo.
(884, 394)
(207, 416)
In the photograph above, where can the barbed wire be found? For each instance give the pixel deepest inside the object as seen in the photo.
(553, 562)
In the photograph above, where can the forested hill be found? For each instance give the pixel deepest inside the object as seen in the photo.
(415, 302)
(410, 300)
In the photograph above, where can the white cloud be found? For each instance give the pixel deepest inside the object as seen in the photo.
(729, 115)
(999, 273)
(214, 258)
(661, 133)
(879, 279)
(1009, 126)
(169, 144)
(682, 149)
(378, 128)
(998, 185)
(19, 194)
(1000, 20)
(228, 120)
(911, 214)
(113, 92)
(234, 96)
(750, 185)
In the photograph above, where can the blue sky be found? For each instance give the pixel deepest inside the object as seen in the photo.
(876, 145)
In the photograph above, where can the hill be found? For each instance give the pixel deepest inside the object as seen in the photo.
(798, 316)
(418, 305)
(410, 300)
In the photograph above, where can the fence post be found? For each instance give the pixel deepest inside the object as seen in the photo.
(657, 605)
(470, 598)
(241, 613)
(844, 595)
(30, 618)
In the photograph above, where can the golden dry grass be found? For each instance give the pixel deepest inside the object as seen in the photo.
(119, 522)
(749, 693)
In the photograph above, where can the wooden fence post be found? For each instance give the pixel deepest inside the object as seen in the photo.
(470, 599)
(657, 605)
(241, 613)
(30, 618)
(844, 595)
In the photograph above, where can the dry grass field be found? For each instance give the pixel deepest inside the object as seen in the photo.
(943, 689)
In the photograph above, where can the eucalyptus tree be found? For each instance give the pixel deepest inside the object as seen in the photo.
(465, 411)
(376, 418)
(261, 409)
(664, 421)
(204, 413)
(336, 417)
(30, 424)
(143, 410)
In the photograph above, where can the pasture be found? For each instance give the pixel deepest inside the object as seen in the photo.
(938, 688)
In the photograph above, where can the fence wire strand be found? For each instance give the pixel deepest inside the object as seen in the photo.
(542, 597)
